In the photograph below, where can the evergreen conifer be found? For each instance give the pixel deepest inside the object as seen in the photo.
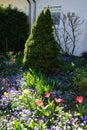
(41, 48)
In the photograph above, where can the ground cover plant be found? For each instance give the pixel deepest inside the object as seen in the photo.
(30, 100)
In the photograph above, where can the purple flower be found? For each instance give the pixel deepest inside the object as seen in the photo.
(5, 102)
(0, 95)
(15, 113)
(35, 128)
(53, 127)
(84, 119)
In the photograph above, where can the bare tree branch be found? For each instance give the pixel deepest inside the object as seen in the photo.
(69, 31)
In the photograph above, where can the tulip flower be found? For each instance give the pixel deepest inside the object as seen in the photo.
(39, 103)
(80, 107)
(79, 99)
(47, 94)
(58, 100)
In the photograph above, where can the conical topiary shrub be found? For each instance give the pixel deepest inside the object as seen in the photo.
(41, 49)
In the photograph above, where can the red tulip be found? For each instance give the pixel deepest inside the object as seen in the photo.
(39, 103)
(79, 99)
(47, 94)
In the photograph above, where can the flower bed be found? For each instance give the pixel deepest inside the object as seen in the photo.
(32, 101)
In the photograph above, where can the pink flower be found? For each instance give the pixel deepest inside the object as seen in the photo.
(58, 100)
(79, 99)
(47, 94)
(39, 103)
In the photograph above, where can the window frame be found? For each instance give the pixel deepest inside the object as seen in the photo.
(54, 11)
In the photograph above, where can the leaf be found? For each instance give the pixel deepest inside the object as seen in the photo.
(31, 125)
(43, 111)
(18, 126)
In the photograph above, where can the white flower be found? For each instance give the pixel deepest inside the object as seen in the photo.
(80, 128)
(72, 64)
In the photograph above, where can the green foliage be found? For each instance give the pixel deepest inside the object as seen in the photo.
(66, 67)
(84, 55)
(13, 29)
(11, 63)
(38, 81)
(41, 49)
(19, 58)
(81, 109)
(38, 125)
(18, 125)
(80, 79)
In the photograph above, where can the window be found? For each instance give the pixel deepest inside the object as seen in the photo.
(56, 18)
(55, 13)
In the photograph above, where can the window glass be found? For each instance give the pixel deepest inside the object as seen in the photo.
(55, 13)
(56, 17)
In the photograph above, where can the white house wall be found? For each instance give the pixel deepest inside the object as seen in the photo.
(80, 9)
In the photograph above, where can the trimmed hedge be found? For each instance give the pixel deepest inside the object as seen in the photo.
(41, 49)
(13, 29)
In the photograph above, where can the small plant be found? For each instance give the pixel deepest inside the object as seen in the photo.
(84, 55)
(17, 125)
(38, 81)
(80, 79)
(10, 56)
(80, 107)
(66, 67)
(19, 58)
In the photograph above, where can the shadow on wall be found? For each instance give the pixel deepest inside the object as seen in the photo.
(81, 46)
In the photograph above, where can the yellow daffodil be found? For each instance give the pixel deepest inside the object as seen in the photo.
(6, 94)
(26, 91)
